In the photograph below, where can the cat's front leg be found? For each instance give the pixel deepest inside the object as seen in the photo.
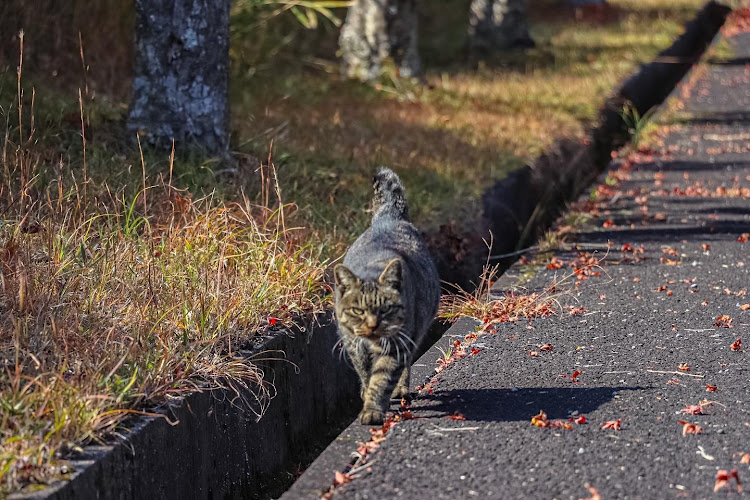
(386, 371)
(361, 361)
(402, 387)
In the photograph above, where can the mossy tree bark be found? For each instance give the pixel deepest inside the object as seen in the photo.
(376, 30)
(180, 89)
(498, 24)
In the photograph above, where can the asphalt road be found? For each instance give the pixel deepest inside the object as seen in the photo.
(663, 234)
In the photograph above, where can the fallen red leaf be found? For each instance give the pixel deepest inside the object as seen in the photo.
(723, 321)
(341, 478)
(580, 420)
(608, 223)
(555, 263)
(684, 367)
(540, 420)
(723, 477)
(574, 376)
(611, 424)
(688, 428)
(745, 458)
(405, 415)
(364, 448)
(743, 237)
(706, 247)
(594, 494)
(576, 311)
(559, 424)
(710, 388)
(669, 262)
(474, 350)
(272, 321)
(455, 416)
(736, 345)
(546, 347)
(745, 307)
(533, 354)
(693, 410)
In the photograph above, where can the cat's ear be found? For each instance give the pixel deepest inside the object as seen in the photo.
(345, 279)
(391, 275)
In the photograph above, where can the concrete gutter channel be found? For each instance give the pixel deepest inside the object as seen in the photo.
(220, 450)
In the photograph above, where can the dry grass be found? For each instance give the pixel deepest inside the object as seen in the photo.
(116, 300)
(487, 306)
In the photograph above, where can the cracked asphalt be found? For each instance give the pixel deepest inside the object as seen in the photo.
(649, 329)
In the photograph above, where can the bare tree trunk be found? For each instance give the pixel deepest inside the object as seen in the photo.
(180, 89)
(376, 30)
(498, 24)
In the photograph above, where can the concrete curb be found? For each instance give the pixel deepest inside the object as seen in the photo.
(219, 449)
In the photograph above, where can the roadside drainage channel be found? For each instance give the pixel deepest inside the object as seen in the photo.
(220, 449)
(517, 218)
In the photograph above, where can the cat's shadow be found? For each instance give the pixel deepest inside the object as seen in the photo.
(507, 405)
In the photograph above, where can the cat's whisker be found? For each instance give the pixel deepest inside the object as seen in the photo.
(407, 355)
(398, 352)
(385, 346)
(403, 335)
(397, 341)
(339, 345)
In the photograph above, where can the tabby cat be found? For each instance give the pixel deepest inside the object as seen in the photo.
(387, 294)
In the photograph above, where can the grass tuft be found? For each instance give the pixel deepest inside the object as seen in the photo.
(116, 300)
(487, 306)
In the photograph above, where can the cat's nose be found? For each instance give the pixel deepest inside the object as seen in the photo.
(371, 321)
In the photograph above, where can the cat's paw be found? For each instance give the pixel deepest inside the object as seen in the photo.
(371, 417)
(401, 392)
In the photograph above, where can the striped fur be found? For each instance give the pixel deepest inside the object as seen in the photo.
(389, 199)
(387, 292)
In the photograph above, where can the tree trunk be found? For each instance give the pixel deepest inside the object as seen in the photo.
(376, 30)
(180, 89)
(498, 24)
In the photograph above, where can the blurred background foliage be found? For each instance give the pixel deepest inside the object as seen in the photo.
(468, 126)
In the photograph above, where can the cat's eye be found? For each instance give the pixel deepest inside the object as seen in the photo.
(356, 311)
(387, 309)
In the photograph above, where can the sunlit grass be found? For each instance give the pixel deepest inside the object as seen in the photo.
(467, 128)
(117, 298)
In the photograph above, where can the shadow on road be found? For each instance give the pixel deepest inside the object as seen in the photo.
(505, 405)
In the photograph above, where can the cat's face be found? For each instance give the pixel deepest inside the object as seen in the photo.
(370, 309)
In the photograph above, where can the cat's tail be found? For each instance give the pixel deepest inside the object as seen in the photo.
(389, 199)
